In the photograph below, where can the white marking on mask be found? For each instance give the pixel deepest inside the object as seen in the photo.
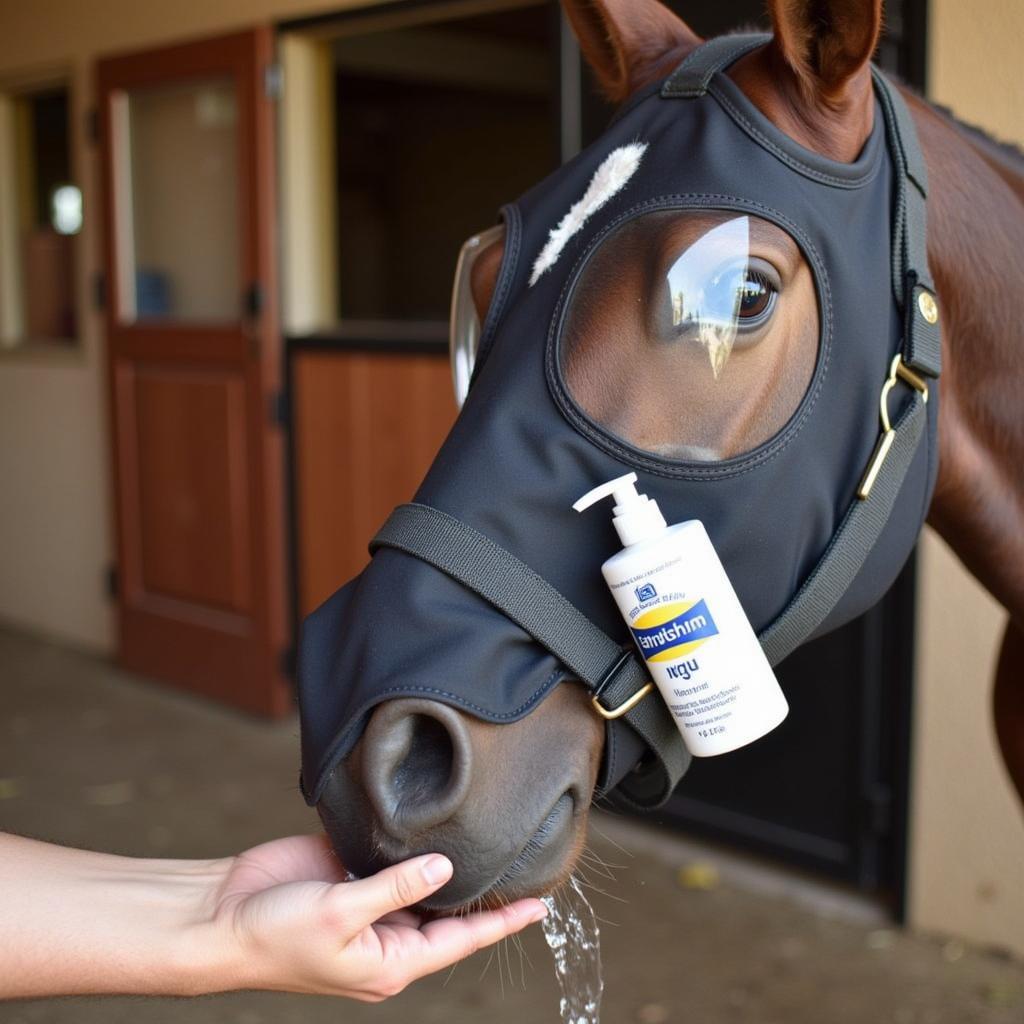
(616, 169)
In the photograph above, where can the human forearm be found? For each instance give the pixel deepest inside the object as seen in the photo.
(281, 916)
(76, 922)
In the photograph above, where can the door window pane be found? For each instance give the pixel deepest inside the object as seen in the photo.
(40, 215)
(178, 202)
(436, 127)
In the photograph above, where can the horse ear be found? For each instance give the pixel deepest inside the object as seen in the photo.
(628, 43)
(826, 44)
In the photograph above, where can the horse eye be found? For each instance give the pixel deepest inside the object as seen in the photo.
(757, 298)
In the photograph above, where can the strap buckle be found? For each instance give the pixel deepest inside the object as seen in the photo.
(610, 714)
(897, 371)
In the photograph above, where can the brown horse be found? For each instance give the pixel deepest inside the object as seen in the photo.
(813, 82)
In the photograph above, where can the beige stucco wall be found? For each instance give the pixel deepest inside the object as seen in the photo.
(966, 865)
(55, 515)
(967, 828)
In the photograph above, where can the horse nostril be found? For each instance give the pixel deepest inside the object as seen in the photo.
(416, 761)
(426, 769)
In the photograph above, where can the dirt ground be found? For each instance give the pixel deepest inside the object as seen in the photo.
(91, 757)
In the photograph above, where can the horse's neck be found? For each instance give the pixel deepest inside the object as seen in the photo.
(975, 230)
(976, 227)
(1007, 161)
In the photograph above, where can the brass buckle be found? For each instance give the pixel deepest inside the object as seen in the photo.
(630, 702)
(897, 371)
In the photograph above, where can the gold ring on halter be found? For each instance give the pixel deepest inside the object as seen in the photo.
(630, 702)
(897, 370)
(626, 705)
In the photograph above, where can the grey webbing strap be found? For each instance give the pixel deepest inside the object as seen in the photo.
(849, 548)
(694, 74)
(911, 278)
(487, 569)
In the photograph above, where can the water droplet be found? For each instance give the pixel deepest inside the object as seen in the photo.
(574, 939)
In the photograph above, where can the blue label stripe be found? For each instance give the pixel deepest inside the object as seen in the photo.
(695, 623)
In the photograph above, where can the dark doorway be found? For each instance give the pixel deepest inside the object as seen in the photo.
(437, 126)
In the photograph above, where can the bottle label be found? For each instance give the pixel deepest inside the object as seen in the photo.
(671, 630)
(719, 693)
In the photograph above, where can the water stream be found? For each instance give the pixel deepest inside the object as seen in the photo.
(574, 939)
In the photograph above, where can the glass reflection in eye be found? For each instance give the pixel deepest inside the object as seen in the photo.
(756, 299)
(744, 296)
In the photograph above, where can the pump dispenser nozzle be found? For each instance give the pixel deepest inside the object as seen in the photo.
(637, 517)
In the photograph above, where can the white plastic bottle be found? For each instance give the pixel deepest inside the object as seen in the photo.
(689, 625)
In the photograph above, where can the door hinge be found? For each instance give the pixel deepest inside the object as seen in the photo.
(280, 409)
(878, 809)
(273, 81)
(286, 662)
(113, 582)
(252, 301)
(99, 290)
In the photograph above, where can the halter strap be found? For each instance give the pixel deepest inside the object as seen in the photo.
(911, 279)
(693, 76)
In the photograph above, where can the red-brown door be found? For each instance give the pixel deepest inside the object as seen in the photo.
(194, 360)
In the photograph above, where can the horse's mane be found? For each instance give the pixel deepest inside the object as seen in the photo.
(1006, 155)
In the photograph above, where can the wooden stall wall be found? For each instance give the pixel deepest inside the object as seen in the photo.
(366, 426)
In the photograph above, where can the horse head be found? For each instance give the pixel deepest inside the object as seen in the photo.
(705, 295)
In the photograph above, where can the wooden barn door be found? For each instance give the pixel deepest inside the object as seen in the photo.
(194, 359)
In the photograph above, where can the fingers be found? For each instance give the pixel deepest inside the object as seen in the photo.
(450, 939)
(401, 885)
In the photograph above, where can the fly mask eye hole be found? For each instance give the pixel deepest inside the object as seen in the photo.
(691, 334)
(466, 321)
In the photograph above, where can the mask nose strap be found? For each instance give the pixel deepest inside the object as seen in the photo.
(614, 674)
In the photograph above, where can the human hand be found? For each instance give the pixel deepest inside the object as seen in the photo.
(279, 916)
(297, 925)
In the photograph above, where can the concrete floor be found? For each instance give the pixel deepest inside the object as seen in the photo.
(94, 758)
